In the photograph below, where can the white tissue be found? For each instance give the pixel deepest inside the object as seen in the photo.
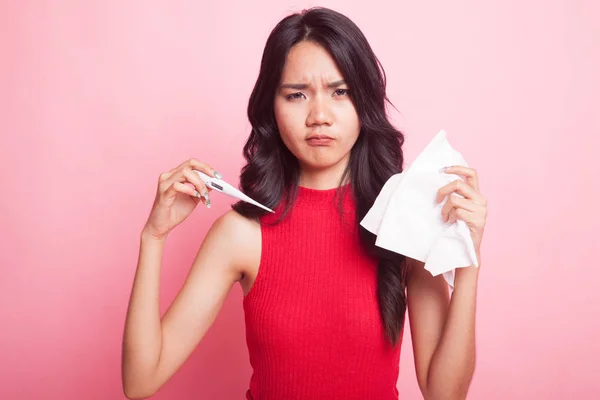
(407, 220)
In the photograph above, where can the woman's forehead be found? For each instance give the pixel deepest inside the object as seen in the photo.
(308, 62)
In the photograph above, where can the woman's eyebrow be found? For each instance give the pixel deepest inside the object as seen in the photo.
(303, 86)
(336, 83)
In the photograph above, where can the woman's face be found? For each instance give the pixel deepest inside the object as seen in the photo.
(315, 115)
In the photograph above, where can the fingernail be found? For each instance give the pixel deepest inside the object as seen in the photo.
(207, 202)
(198, 194)
(218, 175)
(444, 169)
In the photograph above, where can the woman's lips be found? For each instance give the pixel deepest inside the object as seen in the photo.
(319, 140)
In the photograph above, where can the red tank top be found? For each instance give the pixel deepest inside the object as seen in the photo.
(313, 327)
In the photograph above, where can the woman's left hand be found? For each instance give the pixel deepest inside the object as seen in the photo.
(471, 209)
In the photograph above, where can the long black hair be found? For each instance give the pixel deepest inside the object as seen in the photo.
(272, 172)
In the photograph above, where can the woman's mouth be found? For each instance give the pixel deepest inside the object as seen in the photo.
(319, 140)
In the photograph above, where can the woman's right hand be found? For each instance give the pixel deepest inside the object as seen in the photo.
(179, 192)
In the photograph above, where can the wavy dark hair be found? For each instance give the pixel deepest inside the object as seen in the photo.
(272, 172)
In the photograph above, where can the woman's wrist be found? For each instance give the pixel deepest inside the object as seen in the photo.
(148, 237)
(467, 275)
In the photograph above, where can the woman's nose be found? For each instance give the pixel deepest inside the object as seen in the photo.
(319, 113)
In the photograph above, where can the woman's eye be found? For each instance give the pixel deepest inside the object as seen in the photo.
(341, 92)
(294, 96)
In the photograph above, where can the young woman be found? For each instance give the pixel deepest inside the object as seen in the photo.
(324, 307)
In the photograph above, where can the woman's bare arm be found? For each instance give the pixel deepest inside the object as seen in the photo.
(154, 349)
(443, 331)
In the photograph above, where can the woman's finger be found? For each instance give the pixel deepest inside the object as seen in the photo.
(195, 180)
(184, 175)
(199, 196)
(179, 183)
(185, 188)
(460, 187)
(475, 218)
(456, 202)
(469, 174)
(203, 167)
(460, 214)
(192, 163)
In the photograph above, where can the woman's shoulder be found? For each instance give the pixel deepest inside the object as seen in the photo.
(240, 236)
(233, 219)
(235, 228)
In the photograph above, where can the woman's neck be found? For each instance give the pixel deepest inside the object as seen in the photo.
(323, 179)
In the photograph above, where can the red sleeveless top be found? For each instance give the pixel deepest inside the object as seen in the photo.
(313, 327)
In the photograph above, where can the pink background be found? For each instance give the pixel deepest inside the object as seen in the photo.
(97, 98)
